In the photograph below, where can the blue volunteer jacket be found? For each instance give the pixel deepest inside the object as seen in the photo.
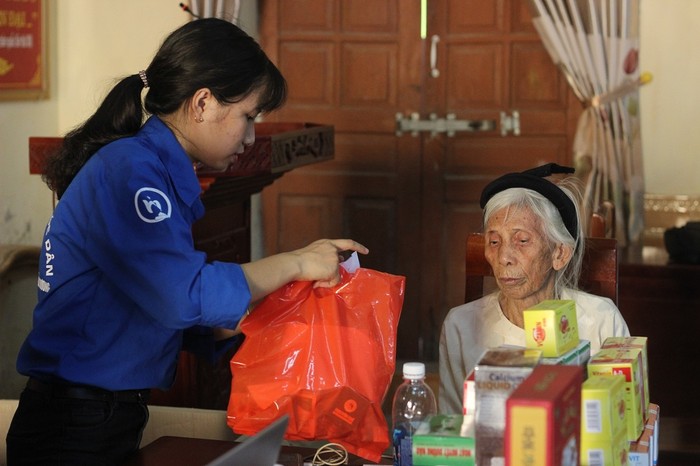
(119, 278)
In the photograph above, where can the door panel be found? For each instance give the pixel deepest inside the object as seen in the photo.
(492, 62)
(410, 199)
(354, 67)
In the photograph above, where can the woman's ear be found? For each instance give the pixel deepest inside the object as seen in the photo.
(561, 256)
(199, 102)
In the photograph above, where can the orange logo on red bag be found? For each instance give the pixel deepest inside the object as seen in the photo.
(350, 406)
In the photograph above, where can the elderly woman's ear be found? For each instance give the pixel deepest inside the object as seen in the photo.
(561, 256)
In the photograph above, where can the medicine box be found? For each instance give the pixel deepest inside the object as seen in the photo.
(444, 439)
(652, 425)
(645, 451)
(551, 327)
(543, 417)
(628, 362)
(641, 452)
(605, 452)
(499, 372)
(633, 342)
(578, 356)
(603, 407)
(469, 395)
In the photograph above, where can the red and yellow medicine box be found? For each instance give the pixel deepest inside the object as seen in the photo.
(633, 342)
(543, 417)
(605, 452)
(551, 327)
(603, 407)
(627, 362)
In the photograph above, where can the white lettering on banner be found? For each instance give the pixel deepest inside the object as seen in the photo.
(15, 41)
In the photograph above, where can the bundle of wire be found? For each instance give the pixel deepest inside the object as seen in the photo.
(330, 454)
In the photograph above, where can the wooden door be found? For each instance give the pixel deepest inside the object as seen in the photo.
(411, 199)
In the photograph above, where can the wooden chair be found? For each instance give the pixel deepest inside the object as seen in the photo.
(603, 221)
(599, 271)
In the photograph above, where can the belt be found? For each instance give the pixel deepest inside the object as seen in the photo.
(86, 392)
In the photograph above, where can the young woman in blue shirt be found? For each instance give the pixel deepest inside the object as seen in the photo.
(121, 287)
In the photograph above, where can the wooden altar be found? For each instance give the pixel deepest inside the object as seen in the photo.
(224, 231)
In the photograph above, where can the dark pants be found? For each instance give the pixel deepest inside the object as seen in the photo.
(52, 429)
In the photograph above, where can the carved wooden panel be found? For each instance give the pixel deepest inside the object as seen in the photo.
(377, 153)
(368, 217)
(306, 218)
(474, 16)
(537, 82)
(491, 157)
(369, 74)
(306, 88)
(521, 17)
(307, 15)
(381, 18)
(475, 77)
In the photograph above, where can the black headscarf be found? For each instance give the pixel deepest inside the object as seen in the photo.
(535, 180)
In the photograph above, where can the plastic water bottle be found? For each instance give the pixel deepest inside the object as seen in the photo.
(414, 400)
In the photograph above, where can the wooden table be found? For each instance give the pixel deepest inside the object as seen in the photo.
(661, 300)
(184, 451)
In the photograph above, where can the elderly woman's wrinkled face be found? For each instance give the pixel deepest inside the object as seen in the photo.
(523, 262)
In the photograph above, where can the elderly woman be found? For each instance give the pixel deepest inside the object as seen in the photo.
(534, 244)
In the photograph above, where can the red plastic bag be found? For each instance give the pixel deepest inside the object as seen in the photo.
(325, 357)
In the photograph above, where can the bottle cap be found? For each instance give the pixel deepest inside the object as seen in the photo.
(413, 370)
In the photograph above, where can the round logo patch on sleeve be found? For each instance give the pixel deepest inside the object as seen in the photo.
(152, 205)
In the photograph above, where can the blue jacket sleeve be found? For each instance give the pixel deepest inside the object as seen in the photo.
(154, 262)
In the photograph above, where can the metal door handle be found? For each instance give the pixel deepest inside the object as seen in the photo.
(450, 125)
(434, 71)
(510, 123)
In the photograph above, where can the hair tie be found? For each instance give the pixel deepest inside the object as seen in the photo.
(144, 78)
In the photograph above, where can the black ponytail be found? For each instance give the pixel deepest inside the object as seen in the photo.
(206, 53)
(119, 115)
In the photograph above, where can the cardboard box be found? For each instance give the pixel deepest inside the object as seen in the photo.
(444, 439)
(633, 342)
(578, 356)
(543, 418)
(469, 395)
(641, 452)
(605, 453)
(551, 327)
(628, 362)
(603, 407)
(499, 372)
(652, 425)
